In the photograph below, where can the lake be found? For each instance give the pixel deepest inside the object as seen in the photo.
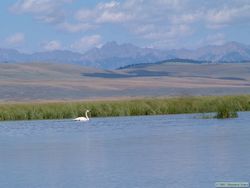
(172, 151)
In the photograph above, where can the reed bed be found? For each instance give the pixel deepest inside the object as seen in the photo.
(148, 106)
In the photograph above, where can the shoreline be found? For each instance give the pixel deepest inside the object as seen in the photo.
(38, 110)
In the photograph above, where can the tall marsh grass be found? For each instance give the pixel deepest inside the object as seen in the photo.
(226, 110)
(153, 106)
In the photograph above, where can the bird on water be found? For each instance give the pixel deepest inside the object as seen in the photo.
(86, 118)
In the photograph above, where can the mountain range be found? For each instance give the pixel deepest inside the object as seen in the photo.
(112, 55)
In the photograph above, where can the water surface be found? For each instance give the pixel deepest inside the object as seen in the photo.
(145, 152)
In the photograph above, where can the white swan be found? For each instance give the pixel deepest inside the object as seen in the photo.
(86, 118)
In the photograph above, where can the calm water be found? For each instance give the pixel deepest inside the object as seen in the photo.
(176, 151)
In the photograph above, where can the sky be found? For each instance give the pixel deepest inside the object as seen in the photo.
(79, 25)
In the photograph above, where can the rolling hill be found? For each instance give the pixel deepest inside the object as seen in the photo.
(57, 81)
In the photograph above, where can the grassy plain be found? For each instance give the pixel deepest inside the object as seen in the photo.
(48, 81)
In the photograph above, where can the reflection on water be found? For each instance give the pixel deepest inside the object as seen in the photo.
(154, 151)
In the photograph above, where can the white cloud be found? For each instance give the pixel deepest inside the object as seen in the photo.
(214, 39)
(87, 42)
(32, 6)
(53, 17)
(186, 18)
(108, 5)
(170, 22)
(110, 12)
(77, 27)
(112, 17)
(166, 37)
(143, 29)
(220, 17)
(147, 19)
(52, 45)
(15, 39)
(167, 33)
(158, 22)
(85, 15)
(49, 11)
(38, 6)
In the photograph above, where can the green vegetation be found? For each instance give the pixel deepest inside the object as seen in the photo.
(225, 105)
(225, 111)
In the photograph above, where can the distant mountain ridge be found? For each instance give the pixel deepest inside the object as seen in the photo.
(231, 51)
(113, 55)
(176, 60)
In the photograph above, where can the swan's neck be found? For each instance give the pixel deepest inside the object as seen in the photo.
(86, 115)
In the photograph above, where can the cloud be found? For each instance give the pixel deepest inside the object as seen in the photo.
(214, 39)
(166, 37)
(157, 22)
(15, 39)
(87, 42)
(112, 17)
(186, 18)
(108, 5)
(52, 45)
(49, 11)
(77, 27)
(165, 23)
(110, 12)
(85, 15)
(32, 6)
(146, 19)
(221, 17)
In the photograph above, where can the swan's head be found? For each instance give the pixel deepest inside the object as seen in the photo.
(87, 110)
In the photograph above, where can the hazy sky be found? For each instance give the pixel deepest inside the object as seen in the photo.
(37, 25)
